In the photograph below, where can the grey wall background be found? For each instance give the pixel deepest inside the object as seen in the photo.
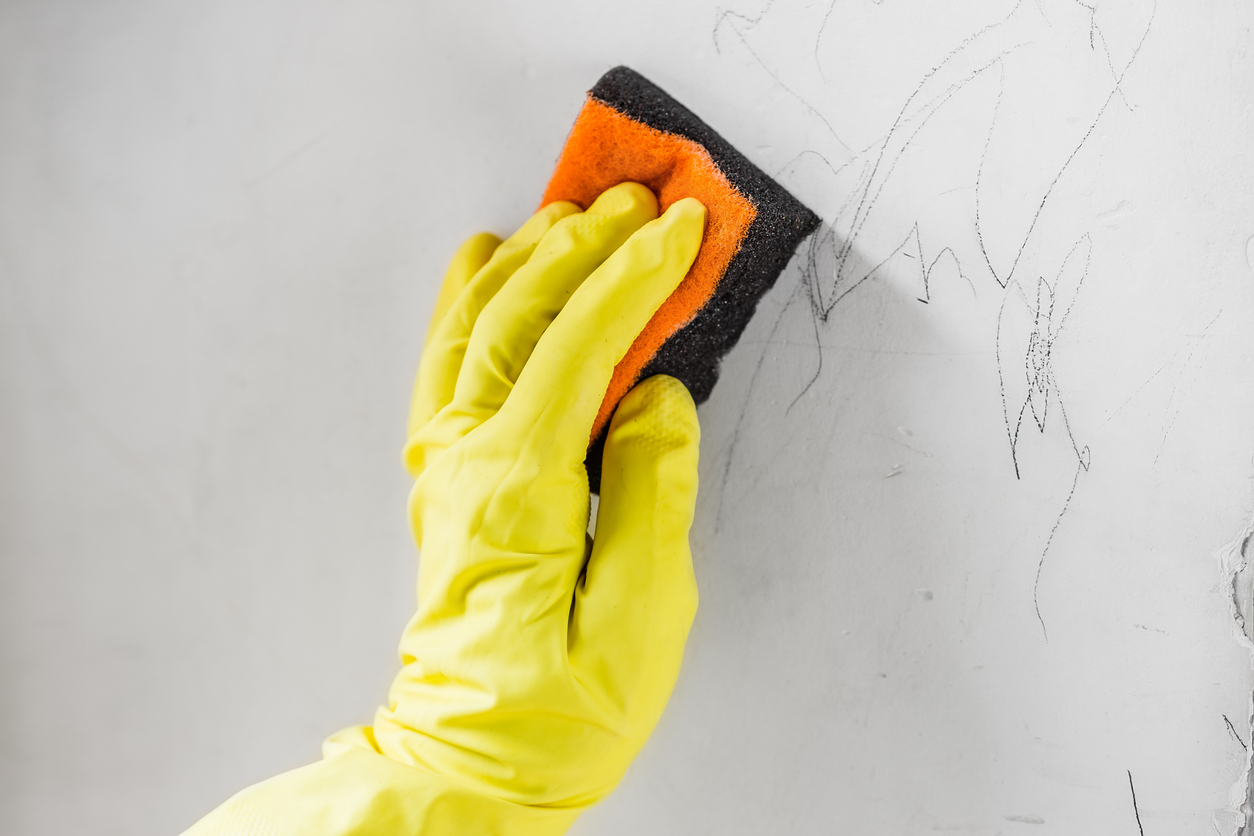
(221, 230)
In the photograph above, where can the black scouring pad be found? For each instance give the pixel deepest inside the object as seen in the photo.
(629, 129)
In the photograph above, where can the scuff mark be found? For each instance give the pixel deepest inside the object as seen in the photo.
(1025, 819)
(1121, 210)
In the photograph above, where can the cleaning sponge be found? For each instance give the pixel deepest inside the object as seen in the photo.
(629, 129)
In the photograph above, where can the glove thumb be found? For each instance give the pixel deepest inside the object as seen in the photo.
(639, 595)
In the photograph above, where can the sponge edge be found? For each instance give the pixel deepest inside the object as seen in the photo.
(629, 129)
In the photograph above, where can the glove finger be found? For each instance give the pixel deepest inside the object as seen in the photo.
(639, 595)
(517, 485)
(561, 388)
(446, 342)
(469, 259)
(510, 325)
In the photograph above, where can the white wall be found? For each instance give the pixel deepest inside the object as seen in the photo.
(221, 228)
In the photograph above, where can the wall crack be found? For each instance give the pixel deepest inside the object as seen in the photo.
(1234, 561)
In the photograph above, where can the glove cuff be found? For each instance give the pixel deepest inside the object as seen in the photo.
(356, 791)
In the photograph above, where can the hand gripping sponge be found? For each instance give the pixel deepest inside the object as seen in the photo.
(629, 129)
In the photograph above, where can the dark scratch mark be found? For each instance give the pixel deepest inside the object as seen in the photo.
(823, 310)
(867, 200)
(1040, 349)
(1001, 382)
(884, 163)
(829, 271)
(979, 171)
(1083, 456)
(1038, 360)
(932, 107)
(752, 22)
(927, 271)
(1092, 18)
(1036, 601)
(1110, 65)
(818, 38)
(1135, 809)
(864, 207)
(1043, 385)
(818, 369)
(872, 183)
(1061, 171)
(887, 152)
(1236, 736)
(835, 170)
(724, 18)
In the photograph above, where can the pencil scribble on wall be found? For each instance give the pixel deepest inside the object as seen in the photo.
(1039, 277)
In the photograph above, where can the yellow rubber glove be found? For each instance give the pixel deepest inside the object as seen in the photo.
(538, 661)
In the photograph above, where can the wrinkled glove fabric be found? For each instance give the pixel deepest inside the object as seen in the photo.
(539, 660)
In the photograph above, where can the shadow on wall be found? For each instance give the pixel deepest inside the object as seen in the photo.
(839, 613)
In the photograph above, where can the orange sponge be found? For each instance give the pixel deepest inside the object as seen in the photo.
(629, 129)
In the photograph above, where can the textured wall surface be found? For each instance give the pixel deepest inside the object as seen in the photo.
(975, 482)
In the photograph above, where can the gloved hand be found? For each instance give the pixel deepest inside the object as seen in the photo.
(538, 661)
